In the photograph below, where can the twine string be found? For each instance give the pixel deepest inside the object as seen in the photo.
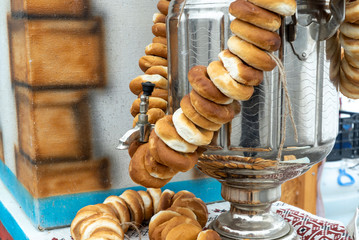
(288, 106)
(134, 226)
(181, 12)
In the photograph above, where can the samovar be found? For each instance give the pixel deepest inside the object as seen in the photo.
(262, 147)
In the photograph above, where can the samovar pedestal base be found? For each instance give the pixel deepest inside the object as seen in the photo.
(250, 217)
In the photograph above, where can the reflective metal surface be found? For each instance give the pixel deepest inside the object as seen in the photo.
(243, 155)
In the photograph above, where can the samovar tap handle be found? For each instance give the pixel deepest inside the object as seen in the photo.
(143, 128)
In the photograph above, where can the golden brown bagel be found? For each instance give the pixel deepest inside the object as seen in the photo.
(184, 231)
(166, 131)
(208, 235)
(351, 73)
(226, 84)
(157, 170)
(183, 194)
(239, 71)
(148, 204)
(162, 40)
(184, 211)
(347, 88)
(120, 208)
(261, 38)
(246, 11)
(104, 225)
(159, 18)
(161, 70)
(153, 102)
(195, 117)
(156, 49)
(196, 205)
(250, 54)
(159, 218)
(176, 160)
(353, 60)
(135, 205)
(133, 147)
(350, 30)
(155, 194)
(283, 7)
(189, 131)
(350, 45)
(146, 62)
(200, 82)
(352, 11)
(172, 223)
(154, 114)
(162, 6)
(136, 83)
(138, 173)
(158, 92)
(159, 30)
(220, 114)
(165, 200)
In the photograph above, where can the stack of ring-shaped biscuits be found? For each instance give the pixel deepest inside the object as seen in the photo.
(112, 219)
(349, 40)
(154, 66)
(178, 139)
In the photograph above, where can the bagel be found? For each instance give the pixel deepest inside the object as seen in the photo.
(183, 194)
(146, 62)
(353, 60)
(350, 30)
(200, 82)
(153, 102)
(148, 204)
(283, 7)
(158, 92)
(165, 200)
(155, 194)
(161, 70)
(220, 114)
(133, 147)
(162, 40)
(162, 6)
(135, 205)
(175, 221)
(176, 160)
(195, 117)
(261, 38)
(157, 170)
(120, 208)
(159, 18)
(250, 54)
(350, 45)
(352, 11)
(136, 83)
(159, 218)
(184, 231)
(156, 49)
(159, 30)
(184, 211)
(239, 71)
(102, 224)
(154, 114)
(248, 12)
(208, 234)
(138, 173)
(166, 131)
(351, 73)
(189, 131)
(347, 88)
(226, 84)
(196, 205)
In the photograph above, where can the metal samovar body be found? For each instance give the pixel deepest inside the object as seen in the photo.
(243, 156)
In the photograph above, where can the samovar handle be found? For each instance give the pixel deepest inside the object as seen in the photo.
(143, 128)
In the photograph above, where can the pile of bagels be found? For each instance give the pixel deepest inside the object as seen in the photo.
(171, 216)
(154, 67)
(349, 40)
(178, 140)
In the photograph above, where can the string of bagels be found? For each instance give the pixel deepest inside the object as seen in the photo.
(178, 140)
